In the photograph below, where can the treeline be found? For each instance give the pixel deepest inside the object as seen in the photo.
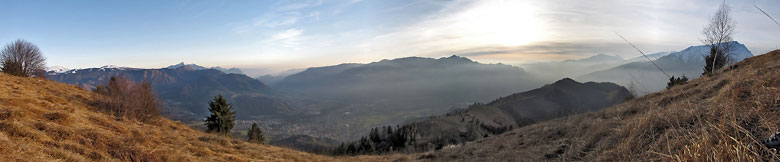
(411, 138)
(382, 140)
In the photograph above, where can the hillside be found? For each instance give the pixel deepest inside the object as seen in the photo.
(561, 98)
(720, 118)
(48, 121)
(564, 97)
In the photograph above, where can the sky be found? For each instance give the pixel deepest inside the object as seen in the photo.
(271, 36)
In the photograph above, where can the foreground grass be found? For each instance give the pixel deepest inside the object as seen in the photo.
(43, 120)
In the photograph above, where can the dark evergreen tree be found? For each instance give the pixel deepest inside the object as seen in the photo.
(676, 81)
(222, 117)
(255, 134)
(716, 59)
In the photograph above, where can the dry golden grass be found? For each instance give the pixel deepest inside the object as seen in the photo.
(719, 118)
(43, 120)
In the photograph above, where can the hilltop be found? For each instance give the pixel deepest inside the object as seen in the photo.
(43, 120)
(719, 118)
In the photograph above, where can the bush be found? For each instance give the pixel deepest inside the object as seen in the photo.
(124, 98)
(676, 81)
(22, 58)
(222, 118)
(255, 134)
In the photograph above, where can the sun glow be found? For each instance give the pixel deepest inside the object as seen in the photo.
(507, 23)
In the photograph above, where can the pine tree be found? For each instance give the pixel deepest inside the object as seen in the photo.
(676, 81)
(222, 117)
(716, 59)
(255, 134)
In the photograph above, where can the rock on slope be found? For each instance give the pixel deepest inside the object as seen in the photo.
(44, 120)
(721, 118)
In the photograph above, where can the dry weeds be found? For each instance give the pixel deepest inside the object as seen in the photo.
(44, 120)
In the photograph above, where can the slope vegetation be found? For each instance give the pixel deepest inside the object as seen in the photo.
(43, 120)
(720, 118)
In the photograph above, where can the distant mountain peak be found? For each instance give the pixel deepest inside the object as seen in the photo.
(184, 66)
(696, 53)
(187, 66)
(56, 69)
(598, 58)
(458, 58)
(565, 81)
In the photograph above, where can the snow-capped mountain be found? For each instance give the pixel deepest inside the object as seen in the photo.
(688, 62)
(56, 69)
(695, 54)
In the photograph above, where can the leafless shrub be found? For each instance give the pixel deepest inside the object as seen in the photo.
(124, 98)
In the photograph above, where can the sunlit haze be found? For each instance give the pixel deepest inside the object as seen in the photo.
(267, 37)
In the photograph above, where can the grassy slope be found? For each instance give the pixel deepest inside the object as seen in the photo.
(720, 118)
(44, 120)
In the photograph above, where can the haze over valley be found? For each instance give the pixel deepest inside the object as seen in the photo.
(360, 80)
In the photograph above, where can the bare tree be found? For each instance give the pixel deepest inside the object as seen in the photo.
(122, 97)
(718, 34)
(22, 58)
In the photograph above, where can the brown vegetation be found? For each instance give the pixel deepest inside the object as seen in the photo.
(43, 120)
(719, 118)
(124, 98)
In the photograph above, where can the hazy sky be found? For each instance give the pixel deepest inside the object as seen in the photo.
(271, 36)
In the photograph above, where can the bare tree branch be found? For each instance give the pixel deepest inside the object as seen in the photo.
(22, 58)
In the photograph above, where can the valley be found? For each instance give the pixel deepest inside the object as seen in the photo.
(399, 80)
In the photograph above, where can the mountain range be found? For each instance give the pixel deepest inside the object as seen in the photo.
(647, 78)
(334, 102)
(185, 91)
(198, 67)
(355, 97)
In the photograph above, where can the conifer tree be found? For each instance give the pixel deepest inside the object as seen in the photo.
(676, 81)
(256, 134)
(222, 118)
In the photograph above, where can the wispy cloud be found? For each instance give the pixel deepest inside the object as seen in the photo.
(276, 23)
(289, 38)
(300, 5)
